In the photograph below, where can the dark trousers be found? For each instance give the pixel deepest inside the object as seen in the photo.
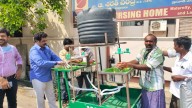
(174, 102)
(11, 94)
(84, 76)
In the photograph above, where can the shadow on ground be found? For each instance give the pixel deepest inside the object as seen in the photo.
(25, 83)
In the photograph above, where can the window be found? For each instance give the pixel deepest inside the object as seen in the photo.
(132, 23)
(171, 21)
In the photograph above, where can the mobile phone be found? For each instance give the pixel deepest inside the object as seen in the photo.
(10, 85)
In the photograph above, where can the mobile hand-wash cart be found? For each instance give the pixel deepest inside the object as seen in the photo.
(100, 96)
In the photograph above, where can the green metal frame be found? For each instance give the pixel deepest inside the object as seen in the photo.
(59, 85)
(65, 77)
(88, 99)
(118, 100)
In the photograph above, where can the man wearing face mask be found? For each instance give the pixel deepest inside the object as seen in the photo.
(150, 63)
(10, 70)
(42, 59)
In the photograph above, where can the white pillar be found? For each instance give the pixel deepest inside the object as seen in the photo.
(146, 28)
(177, 28)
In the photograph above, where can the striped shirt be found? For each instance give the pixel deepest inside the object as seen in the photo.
(9, 59)
(154, 79)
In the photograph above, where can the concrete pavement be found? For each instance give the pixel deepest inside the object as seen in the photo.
(26, 97)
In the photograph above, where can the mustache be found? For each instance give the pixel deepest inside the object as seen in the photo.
(2, 39)
(149, 45)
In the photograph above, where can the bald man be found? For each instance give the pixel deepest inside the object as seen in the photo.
(150, 64)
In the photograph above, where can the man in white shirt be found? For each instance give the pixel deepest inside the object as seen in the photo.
(181, 70)
(173, 53)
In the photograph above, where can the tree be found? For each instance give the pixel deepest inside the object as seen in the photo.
(14, 14)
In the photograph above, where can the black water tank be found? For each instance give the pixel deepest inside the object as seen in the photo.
(93, 23)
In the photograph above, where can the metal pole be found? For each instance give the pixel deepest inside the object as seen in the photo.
(127, 91)
(67, 85)
(119, 47)
(98, 79)
(100, 64)
(72, 74)
(59, 88)
(73, 83)
(106, 39)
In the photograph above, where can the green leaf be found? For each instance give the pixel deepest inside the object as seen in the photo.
(14, 14)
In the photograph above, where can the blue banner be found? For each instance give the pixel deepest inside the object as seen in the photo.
(139, 9)
(130, 4)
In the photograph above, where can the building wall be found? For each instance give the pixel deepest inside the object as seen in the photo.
(133, 35)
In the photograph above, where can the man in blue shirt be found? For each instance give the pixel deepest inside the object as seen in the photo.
(42, 59)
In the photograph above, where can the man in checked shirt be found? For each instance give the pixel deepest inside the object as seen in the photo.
(150, 62)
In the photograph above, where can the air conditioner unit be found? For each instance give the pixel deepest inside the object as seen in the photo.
(159, 25)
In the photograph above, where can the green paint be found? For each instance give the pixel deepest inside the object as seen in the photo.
(83, 53)
(59, 88)
(85, 63)
(89, 99)
(68, 56)
(118, 100)
(114, 69)
(63, 69)
(127, 51)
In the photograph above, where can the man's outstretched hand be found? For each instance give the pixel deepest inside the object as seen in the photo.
(121, 65)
